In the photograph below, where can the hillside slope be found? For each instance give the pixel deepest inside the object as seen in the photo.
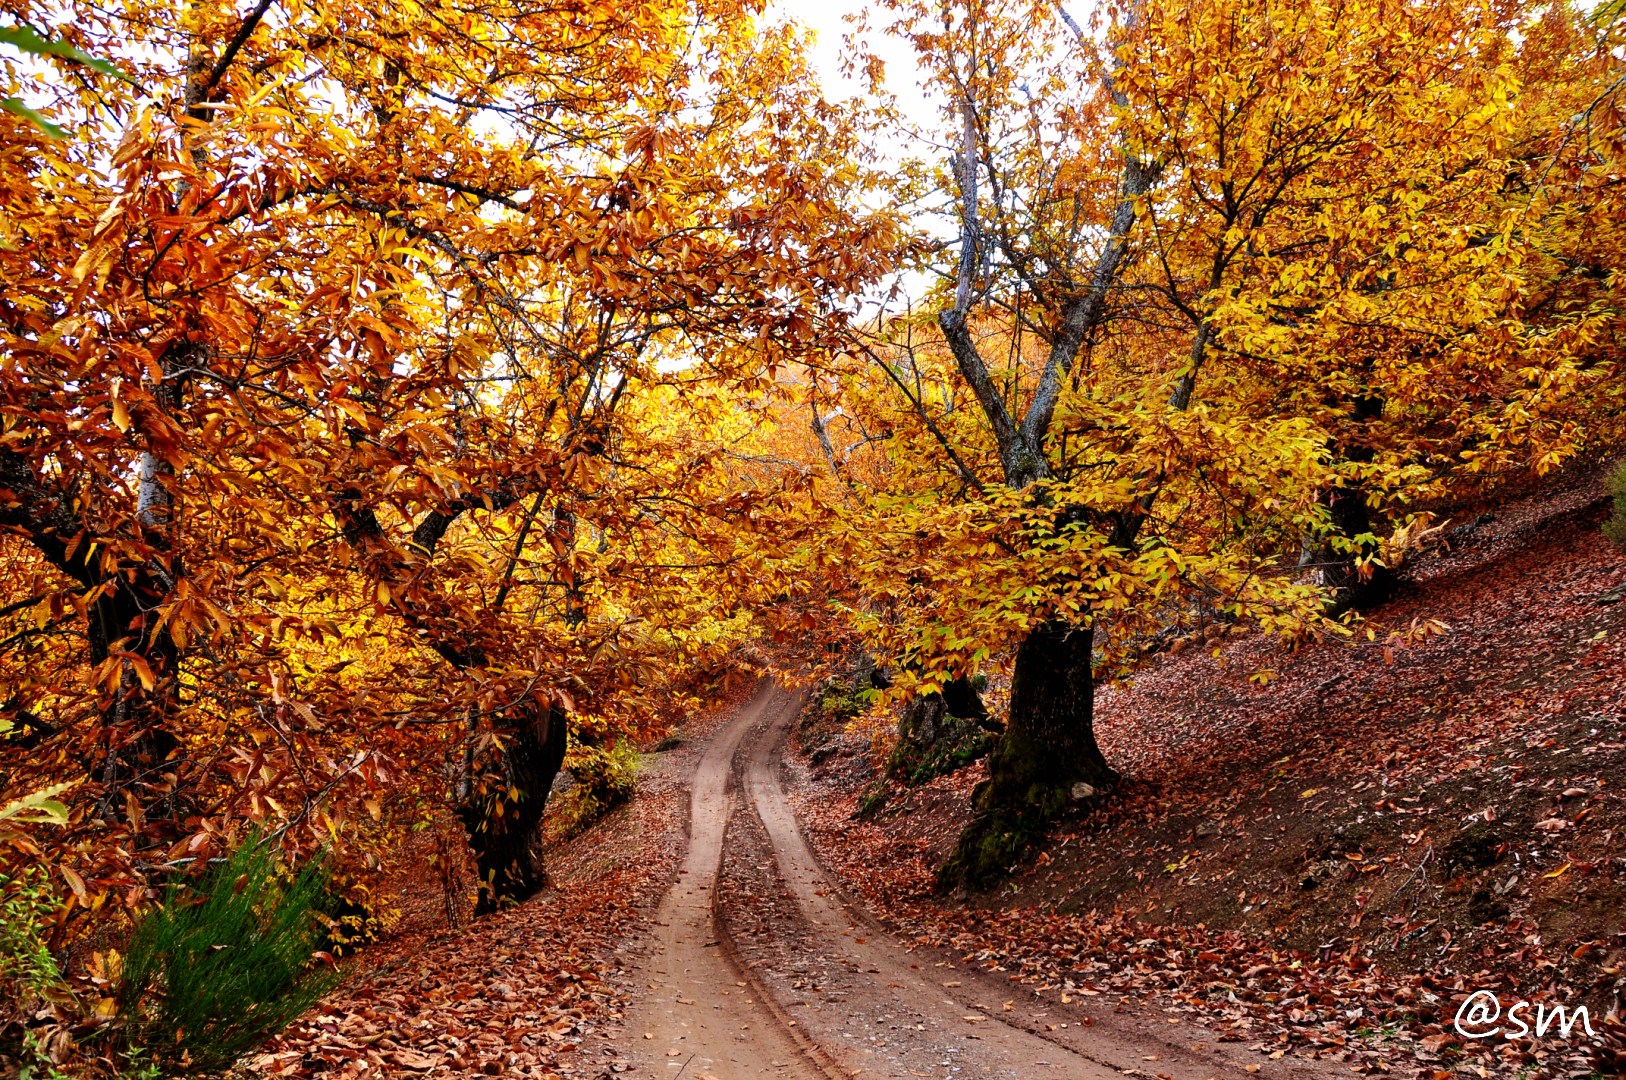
(1331, 861)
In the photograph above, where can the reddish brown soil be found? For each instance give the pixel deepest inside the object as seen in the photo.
(539, 990)
(758, 969)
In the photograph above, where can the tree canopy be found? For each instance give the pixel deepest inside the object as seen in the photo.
(398, 398)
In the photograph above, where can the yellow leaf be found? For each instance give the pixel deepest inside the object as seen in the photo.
(353, 410)
(40, 808)
(76, 883)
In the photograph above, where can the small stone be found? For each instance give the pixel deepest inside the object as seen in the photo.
(1082, 790)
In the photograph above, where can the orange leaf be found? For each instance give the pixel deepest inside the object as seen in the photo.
(143, 672)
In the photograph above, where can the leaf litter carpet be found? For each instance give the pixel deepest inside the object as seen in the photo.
(1327, 865)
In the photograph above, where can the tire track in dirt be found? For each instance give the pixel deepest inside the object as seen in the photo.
(700, 1018)
(810, 988)
(906, 1012)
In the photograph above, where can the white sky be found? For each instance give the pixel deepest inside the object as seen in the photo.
(827, 19)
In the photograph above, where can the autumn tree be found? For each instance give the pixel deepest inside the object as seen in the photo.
(1236, 277)
(1342, 238)
(345, 368)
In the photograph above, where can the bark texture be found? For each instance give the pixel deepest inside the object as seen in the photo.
(505, 827)
(1038, 765)
(1348, 589)
(938, 734)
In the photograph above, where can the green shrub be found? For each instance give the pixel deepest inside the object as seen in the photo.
(27, 968)
(29, 975)
(844, 703)
(223, 963)
(606, 777)
(1615, 527)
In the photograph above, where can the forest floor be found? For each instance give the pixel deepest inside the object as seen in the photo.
(761, 969)
(752, 965)
(1327, 864)
(1295, 880)
(538, 990)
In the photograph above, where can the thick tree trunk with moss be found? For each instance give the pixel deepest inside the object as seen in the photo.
(505, 826)
(1047, 751)
(938, 734)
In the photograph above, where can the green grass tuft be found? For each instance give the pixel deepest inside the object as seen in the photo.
(224, 963)
(1615, 527)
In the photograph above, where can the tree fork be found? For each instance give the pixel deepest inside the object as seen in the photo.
(1049, 742)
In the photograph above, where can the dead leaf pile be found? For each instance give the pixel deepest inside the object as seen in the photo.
(538, 990)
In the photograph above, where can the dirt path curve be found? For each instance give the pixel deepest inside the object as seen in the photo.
(889, 1013)
(810, 988)
(700, 1019)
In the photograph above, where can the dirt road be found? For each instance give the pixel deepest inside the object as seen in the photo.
(700, 1018)
(760, 968)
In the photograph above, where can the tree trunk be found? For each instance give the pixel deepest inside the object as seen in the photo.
(1347, 588)
(1350, 517)
(138, 747)
(139, 744)
(1037, 768)
(1049, 743)
(938, 734)
(120, 620)
(505, 827)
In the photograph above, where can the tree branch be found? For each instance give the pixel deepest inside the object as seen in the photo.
(1081, 314)
(483, 194)
(199, 93)
(519, 546)
(969, 360)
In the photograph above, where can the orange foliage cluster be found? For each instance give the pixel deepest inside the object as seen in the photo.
(387, 389)
(1237, 286)
(377, 396)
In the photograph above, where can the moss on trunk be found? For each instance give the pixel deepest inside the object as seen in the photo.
(1047, 751)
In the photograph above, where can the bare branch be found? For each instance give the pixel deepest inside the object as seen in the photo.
(1081, 315)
